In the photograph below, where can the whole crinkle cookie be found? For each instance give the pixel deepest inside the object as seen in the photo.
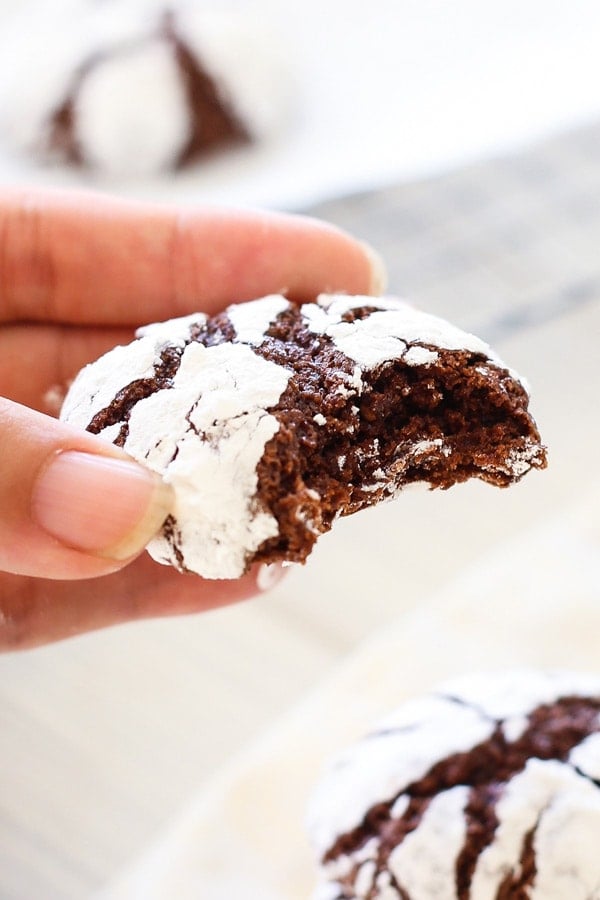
(138, 89)
(270, 420)
(486, 789)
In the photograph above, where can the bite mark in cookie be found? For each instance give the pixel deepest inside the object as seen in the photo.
(270, 420)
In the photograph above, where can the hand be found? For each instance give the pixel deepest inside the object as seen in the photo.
(78, 273)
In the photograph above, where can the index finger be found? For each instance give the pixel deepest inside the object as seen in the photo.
(85, 258)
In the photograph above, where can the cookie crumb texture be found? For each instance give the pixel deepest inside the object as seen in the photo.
(270, 420)
(487, 789)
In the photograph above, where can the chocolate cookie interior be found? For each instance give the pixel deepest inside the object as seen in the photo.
(342, 447)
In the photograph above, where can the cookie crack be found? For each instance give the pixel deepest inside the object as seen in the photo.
(486, 769)
(119, 410)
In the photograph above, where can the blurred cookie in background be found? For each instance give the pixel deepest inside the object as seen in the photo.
(485, 789)
(136, 89)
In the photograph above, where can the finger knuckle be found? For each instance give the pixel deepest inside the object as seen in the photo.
(27, 265)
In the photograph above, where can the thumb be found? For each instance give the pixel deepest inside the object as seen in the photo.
(71, 505)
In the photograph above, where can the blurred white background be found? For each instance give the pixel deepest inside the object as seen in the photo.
(375, 91)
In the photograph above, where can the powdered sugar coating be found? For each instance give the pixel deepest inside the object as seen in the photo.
(245, 60)
(115, 131)
(205, 434)
(425, 860)
(586, 757)
(97, 385)
(418, 734)
(201, 414)
(251, 320)
(175, 332)
(553, 803)
(214, 429)
(396, 331)
(563, 809)
(513, 694)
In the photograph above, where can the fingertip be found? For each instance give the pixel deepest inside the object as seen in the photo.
(321, 258)
(378, 278)
(101, 505)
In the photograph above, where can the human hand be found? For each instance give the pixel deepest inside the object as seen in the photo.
(78, 274)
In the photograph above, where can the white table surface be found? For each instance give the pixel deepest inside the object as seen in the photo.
(105, 738)
(244, 835)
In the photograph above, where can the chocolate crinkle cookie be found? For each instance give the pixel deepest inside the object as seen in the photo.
(486, 789)
(270, 420)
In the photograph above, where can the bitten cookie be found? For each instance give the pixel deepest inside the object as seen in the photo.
(486, 789)
(270, 420)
